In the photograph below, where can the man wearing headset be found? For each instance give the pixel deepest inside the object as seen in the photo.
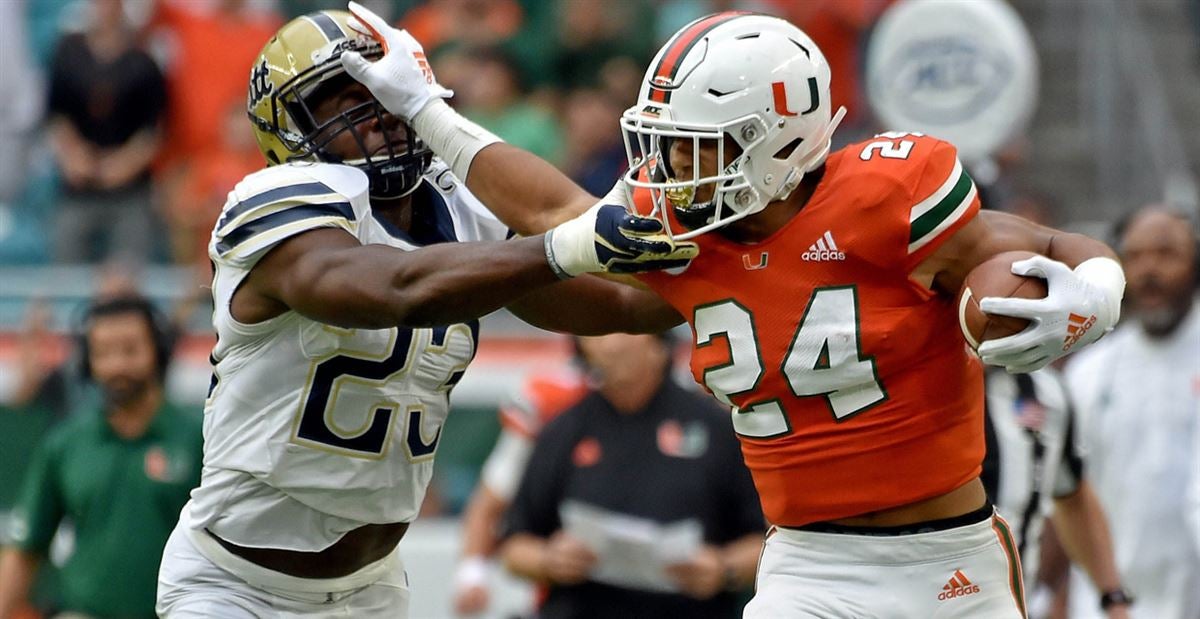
(121, 474)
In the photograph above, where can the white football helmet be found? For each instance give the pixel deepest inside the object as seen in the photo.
(752, 79)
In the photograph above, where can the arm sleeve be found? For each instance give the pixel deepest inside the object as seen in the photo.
(534, 509)
(40, 507)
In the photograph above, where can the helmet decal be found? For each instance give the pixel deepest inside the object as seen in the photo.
(664, 75)
(326, 25)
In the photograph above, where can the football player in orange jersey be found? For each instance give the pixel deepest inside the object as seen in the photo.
(822, 305)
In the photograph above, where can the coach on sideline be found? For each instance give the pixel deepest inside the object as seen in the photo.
(121, 474)
(640, 450)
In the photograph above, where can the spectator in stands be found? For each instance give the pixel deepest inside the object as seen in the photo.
(106, 103)
(639, 450)
(208, 47)
(473, 23)
(194, 199)
(492, 93)
(121, 474)
(539, 400)
(20, 100)
(593, 153)
(1139, 394)
(566, 45)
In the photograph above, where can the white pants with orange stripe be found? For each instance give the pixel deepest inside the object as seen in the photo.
(970, 571)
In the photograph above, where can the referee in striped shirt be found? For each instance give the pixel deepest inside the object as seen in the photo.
(1033, 468)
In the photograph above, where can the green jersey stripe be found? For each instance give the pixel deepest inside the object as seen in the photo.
(949, 209)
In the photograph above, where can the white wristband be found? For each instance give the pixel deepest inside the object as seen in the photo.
(1108, 276)
(571, 245)
(451, 136)
(472, 572)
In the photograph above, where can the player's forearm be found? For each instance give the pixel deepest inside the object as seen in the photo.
(1083, 530)
(525, 192)
(17, 569)
(376, 286)
(1074, 249)
(525, 555)
(528, 194)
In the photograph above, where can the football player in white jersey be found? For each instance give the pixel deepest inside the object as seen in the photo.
(345, 313)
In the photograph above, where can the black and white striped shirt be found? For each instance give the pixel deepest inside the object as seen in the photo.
(1032, 453)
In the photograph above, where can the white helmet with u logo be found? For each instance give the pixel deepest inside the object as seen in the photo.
(754, 86)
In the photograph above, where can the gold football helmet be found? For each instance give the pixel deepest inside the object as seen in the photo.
(301, 66)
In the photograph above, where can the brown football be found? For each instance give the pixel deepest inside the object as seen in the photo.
(994, 278)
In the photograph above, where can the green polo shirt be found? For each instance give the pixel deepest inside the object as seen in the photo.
(123, 497)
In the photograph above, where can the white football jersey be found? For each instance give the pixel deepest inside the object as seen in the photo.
(311, 430)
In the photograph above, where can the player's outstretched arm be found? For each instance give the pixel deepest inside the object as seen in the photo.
(327, 275)
(528, 194)
(1082, 275)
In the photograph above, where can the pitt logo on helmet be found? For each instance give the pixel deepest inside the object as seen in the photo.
(260, 86)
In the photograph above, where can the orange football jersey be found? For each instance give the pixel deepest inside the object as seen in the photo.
(541, 399)
(852, 386)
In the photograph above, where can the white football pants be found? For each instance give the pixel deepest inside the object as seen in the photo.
(970, 572)
(192, 586)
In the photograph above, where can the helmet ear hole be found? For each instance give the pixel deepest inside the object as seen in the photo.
(789, 148)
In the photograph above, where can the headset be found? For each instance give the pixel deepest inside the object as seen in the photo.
(162, 332)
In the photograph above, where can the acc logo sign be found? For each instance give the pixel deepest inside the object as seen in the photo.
(948, 80)
(260, 86)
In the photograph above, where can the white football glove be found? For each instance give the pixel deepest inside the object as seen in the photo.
(608, 238)
(402, 80)
(1080, 307)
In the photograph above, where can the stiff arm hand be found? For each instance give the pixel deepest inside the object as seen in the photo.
(607, 238)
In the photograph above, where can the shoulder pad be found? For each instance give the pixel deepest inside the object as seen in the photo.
(281, 201)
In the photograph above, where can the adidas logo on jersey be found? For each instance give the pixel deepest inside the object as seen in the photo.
(958, 586)
(1077, 326)
(823, 250)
